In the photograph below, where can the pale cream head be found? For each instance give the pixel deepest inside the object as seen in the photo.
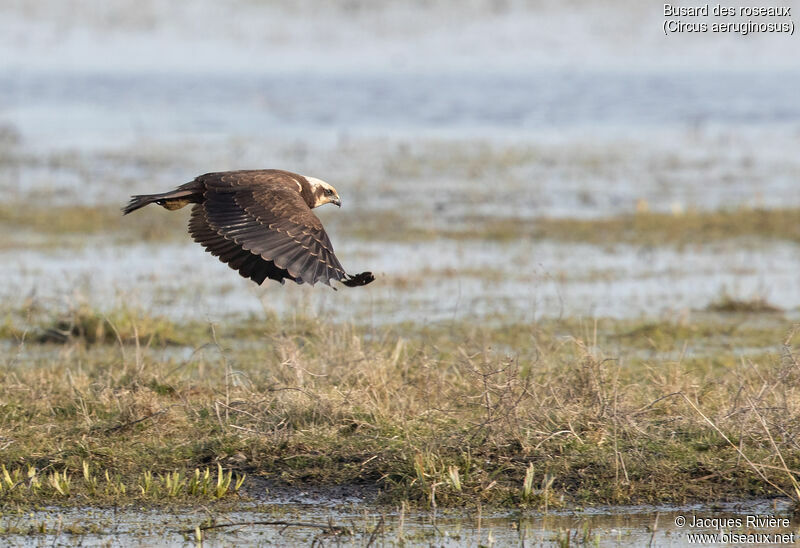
(323, 192)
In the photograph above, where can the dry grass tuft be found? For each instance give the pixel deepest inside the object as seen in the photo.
(435, 417)
(727, 303)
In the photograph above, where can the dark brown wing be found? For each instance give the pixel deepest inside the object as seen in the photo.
(260, 225)
(249, 265)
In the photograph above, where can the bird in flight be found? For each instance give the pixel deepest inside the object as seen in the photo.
(260, 223)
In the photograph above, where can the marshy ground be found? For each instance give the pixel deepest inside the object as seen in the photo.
(501, 362)
(126, 411)
(536, 364)
(581, 412)
(585, 318)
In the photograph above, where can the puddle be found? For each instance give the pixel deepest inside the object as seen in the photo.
(360, 525)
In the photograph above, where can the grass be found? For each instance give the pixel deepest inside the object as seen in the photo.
(691, 228)
(641, 228)
(757, 304)
(29, 223)
(62, 225)
(21, 484)
(543, 416)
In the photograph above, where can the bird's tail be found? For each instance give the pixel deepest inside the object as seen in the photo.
(170, 200)
(139, 201)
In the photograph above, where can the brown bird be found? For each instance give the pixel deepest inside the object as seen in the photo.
(260, 223)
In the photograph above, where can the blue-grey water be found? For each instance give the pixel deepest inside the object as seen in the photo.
(602, 527)
(438, 110)
(117, 107)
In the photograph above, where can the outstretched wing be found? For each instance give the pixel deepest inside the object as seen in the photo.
(260, 225)
(249, 265)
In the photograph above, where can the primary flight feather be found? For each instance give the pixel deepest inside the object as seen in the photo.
(260, 223)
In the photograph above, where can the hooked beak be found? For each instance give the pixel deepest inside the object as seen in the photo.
(337, 201)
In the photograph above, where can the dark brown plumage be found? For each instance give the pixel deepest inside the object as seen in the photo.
(260, 223)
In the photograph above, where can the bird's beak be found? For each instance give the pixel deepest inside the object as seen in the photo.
(337, 201)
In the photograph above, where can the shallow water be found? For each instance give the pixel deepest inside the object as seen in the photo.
(442, 111)
(446, 281)
(47, 106)
(604, 526)
(462, 114)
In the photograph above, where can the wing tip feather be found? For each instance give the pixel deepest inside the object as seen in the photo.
(358, 279)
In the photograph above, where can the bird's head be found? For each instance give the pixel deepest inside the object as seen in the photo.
(323, 192)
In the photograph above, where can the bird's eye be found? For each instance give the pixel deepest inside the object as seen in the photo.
(328, 192)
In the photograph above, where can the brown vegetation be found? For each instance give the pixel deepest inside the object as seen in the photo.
(437, 417)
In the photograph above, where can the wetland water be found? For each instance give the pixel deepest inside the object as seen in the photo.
(515, 149)
(765, 522)
(93, 121)
(445, 281)
(436, 148)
